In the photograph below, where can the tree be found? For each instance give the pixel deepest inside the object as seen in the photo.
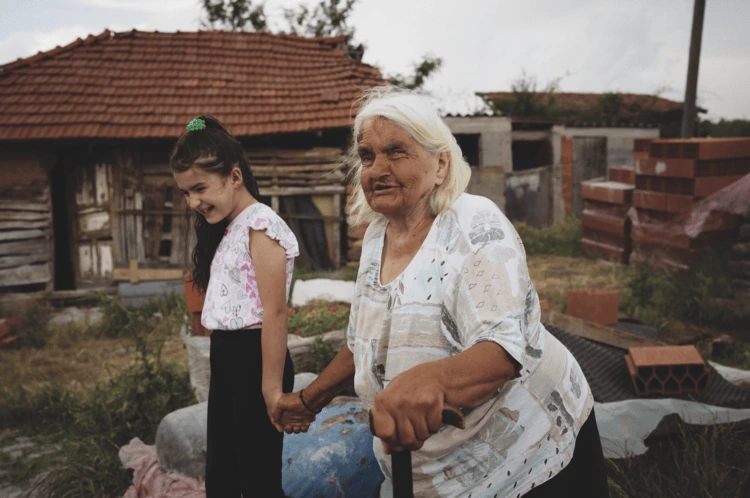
(326, 18)
(234, 15)
(422, 72)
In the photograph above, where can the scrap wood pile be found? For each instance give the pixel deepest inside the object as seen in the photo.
(297, 168)
(683, 197)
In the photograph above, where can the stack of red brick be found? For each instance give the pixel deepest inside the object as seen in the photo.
(605, 205)
(669, 180)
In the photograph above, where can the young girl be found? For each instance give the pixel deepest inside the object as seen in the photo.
(243, 260)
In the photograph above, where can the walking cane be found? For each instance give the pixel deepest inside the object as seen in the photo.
(403, 485)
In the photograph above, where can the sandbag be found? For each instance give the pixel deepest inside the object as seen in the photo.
(333, 459)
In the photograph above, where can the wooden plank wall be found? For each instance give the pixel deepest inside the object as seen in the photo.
(26, 244)
(94, 228)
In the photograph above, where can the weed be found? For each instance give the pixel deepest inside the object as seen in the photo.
(121, 321)
(707, 461)
(562, 239)
(90, 425)
(657, 296)
(318, 318)
(34, 332)
(322, 354)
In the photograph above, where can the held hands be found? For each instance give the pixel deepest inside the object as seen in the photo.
(409, 410)
(290, 415)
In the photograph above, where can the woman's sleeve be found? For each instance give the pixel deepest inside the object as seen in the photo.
(492, 295)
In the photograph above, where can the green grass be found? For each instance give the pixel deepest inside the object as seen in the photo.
(699, 461)
(563, 239)
(656, 296)
(318, 318)
(84, 426)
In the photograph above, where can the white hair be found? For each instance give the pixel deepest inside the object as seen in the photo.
(416, 114)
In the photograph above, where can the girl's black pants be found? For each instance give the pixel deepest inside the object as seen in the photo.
(243, 454)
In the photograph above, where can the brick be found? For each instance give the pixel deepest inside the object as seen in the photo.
(667, 370)
(658, 201)
(622, 174)
(701, 148)
(614, 239)
(603, 222)
(544, 305)
(642, 144)
(610, 192)
(593, 305)
(193, 297)
(605, 208)
(649, 200)
(664, 257)
(712, 184)
(593, 248)
(692, 168)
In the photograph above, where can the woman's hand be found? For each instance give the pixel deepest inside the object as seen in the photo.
(290, 415)
(409, 410)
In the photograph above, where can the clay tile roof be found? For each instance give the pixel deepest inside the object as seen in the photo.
(590, 100)
(150, 85)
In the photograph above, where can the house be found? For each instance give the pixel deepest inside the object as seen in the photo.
(87, 198)
(561, 139)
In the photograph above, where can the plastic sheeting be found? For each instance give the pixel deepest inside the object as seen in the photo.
(198, 352)
(625, 425)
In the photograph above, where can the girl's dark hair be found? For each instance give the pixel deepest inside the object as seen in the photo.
(214, 150)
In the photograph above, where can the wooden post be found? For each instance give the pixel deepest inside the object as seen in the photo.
(133, 269)
(691, 87)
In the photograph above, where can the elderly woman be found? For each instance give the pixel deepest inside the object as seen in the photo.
(445, 314)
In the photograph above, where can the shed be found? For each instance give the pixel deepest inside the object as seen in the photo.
(87, 197)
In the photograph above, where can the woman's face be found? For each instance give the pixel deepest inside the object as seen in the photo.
(398, 174)
(209, 194)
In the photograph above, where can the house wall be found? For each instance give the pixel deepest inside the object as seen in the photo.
(494, 138)
(528, 196)
(26, 238)
(619, 141)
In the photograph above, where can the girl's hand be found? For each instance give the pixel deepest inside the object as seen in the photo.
(290, 415)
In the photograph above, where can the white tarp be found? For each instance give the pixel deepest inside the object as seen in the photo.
(322, 289)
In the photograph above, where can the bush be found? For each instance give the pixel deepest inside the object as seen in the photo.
(318, 318)
(657, 296)
(563, 239)
(91, 425)
(322, 354)
(698, 461)
(121, 321)
(33, 331)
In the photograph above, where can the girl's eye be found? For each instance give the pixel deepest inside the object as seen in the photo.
(200, 189)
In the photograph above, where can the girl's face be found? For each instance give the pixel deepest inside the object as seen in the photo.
(213, 196)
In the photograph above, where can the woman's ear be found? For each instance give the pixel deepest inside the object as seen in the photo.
(443, 163)
(235, 176)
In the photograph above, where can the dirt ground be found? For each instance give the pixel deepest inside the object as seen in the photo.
(82, 359)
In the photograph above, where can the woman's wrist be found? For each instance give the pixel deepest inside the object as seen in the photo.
(306, 402)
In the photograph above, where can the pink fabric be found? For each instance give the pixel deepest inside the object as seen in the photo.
(150, 481)
(232, 300)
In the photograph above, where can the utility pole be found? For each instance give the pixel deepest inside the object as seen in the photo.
(688, 108)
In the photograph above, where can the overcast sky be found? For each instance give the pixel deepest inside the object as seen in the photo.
(638, 46)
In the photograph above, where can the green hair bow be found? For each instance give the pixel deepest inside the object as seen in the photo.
(196, 124)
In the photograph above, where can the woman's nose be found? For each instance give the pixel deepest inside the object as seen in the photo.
(380, 165)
